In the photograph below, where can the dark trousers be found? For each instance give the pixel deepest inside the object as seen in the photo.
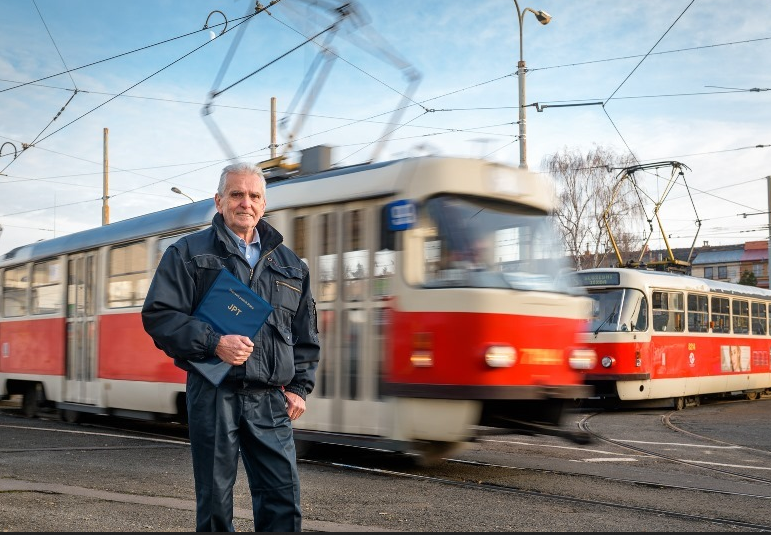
(223, 421)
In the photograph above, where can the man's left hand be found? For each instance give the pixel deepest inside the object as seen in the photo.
(295, 405)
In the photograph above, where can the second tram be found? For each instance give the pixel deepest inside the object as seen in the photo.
(673, 337)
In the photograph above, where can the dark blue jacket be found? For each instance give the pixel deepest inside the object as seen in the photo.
(286, 349)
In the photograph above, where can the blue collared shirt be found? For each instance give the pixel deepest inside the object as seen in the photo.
(250, 251)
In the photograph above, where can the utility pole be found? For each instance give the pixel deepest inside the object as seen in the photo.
(272, 127)
(105, 182)
(768, 269)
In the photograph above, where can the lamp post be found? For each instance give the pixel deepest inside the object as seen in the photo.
(544, 19)
(175, 189)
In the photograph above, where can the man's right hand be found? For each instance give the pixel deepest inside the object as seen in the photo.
(234, 349)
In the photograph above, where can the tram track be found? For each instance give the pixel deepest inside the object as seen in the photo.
(508, 489)
(473, 479)
(584, 425)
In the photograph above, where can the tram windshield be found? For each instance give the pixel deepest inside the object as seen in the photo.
(479, 243)
(618, 310)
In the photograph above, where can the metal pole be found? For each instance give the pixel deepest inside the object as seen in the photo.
(543, 18)
(272, 127)
(521, 82)
(768, 268)
(105, 186)
(522, 119)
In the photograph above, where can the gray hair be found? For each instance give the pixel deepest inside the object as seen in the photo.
(240, 168)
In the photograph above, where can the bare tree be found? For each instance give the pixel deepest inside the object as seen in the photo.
(585, 185)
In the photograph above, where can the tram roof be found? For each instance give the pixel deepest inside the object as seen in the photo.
(191, 215)
(412, 177)
(679, 281)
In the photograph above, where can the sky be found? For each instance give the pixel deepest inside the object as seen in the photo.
(172, 91)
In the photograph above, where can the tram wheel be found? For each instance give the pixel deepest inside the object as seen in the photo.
(30, 401)
(69, 416)
(679, 403)
(752, 396)
(432, 453)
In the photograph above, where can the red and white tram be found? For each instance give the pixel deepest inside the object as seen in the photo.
(668, 336)
(443, 308)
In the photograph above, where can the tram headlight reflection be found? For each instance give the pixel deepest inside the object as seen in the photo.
(500, 356)
(582, 359)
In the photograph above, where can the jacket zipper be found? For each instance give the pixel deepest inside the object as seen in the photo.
(282, 283)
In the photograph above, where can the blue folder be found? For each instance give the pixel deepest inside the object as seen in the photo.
(230, 307)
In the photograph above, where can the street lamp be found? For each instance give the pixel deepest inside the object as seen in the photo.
(175, 189)
(544, 19)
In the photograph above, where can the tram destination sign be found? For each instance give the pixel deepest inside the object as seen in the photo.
(608, 278)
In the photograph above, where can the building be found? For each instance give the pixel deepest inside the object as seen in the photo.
(720, 262)
(728, 262)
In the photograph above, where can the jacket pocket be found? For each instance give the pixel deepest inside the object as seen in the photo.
(207, 267)
(282, 343)
(286, 288)
(207, 262)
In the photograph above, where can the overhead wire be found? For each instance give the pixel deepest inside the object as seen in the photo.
(433, 98)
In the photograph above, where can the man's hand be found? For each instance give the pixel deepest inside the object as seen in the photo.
(295, 405)
(234, 349)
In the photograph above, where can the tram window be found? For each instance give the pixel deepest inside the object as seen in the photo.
(759, 321)
(127, 277)
(668, 312)
(385, 258)
(327, 263)
(698, 313)
(741, 316)
(163, 243)
(387, 236)
(47, 287)
(298, 238)
(720, 315)
(325, 376)
(381, 321)
(15, 285)
(354, 323)
(355, 256)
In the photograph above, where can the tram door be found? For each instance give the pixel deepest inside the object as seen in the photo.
(349, 370)
(80, 383)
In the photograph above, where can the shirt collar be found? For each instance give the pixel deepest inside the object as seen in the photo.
(239, 241)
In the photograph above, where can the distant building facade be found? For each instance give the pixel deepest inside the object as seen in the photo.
(728, 262)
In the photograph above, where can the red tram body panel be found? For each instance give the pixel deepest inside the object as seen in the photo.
(127, 353)
(33, 347)
(543, 346)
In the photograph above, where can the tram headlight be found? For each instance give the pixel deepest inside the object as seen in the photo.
(500, 356)
(422, 355)
(582, 359)
(607, 361)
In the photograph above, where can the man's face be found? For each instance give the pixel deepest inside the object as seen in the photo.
(242, 204)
